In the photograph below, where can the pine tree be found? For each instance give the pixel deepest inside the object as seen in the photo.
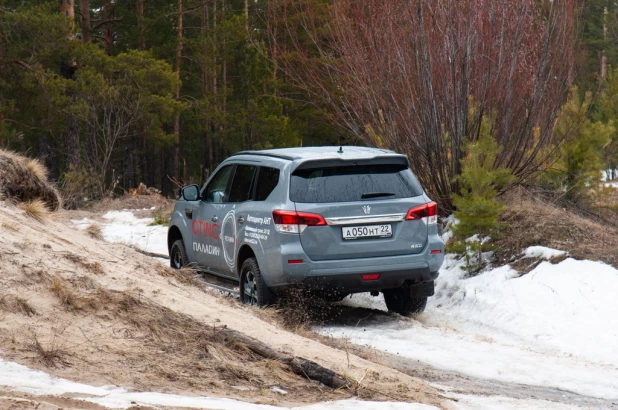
(579, 167)
(477, 208)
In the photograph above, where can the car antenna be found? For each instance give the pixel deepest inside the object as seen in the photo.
(340, 150)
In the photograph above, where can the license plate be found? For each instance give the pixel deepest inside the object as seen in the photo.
(369, 231)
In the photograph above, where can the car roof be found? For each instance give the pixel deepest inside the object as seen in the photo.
(330, 152)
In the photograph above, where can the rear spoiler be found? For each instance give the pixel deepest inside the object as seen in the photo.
(340, 162)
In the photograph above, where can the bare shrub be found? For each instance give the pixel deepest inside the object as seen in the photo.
(418, 76)
(50, 354)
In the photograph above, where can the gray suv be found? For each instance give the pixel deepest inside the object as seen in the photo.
(333, 220)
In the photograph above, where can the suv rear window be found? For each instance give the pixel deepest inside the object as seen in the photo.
(353, 183)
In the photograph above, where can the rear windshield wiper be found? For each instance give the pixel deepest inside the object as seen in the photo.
(376, 194)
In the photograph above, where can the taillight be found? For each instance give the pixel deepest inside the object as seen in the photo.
(427, 212)
(296, 222)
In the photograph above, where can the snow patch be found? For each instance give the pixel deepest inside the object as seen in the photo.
(124, 227)
(19, 378)
(543, 252)
(555, 326)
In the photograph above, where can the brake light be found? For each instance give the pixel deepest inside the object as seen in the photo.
(427, 212)
(296, 222)
(372, 276)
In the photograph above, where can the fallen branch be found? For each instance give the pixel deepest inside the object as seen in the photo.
(152, 254)
(299, 365)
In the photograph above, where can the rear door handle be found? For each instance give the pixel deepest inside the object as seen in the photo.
(214, 219)
(189, 213)
(241, 220)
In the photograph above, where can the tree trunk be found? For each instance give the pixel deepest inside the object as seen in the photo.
(224, 74)
(1, 100)
(67, 7)
(72, 157)
(84, 8)
(176, 149)
(140, 25)
(247, 16)
(108, 33)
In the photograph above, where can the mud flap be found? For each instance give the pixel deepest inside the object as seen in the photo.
(422, 289)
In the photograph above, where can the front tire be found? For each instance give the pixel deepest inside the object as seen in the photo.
(178, 255)
(253, 290)
(401, 301)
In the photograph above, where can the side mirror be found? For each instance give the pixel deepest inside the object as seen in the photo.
(191, 193)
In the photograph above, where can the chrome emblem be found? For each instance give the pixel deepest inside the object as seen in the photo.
(366, 209)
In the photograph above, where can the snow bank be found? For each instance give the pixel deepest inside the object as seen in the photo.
(19, 378)
(556, 326)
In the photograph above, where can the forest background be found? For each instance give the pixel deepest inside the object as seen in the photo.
(109, 94)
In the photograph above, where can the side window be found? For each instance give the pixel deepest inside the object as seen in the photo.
(215, 191)
(241, 184)
(267, 180)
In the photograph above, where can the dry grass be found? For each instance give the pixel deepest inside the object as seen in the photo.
(50, 354)
(65, 294)
(36, 209)
(95, 231)
(10, 226)
(16, 304)
(606, 203)
(178, 348)
(532, 221)
(92, 267)
(188, 275)
(37, 169)
(25, 180)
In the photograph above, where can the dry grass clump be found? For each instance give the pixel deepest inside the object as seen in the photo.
(95, 231)
(25, 180)
(93, 267)
(188, 275)
(36, 209)
(50, 354)
(63, 291)
(37, 169)
(16, 304)
(532, 221)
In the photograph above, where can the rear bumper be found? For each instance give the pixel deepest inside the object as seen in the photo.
(354, 283)
(346, 275)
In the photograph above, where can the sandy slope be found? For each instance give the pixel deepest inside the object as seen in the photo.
(95, 345)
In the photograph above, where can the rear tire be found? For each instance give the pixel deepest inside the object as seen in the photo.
(401, 301)
(253, 290)
(178, 255)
